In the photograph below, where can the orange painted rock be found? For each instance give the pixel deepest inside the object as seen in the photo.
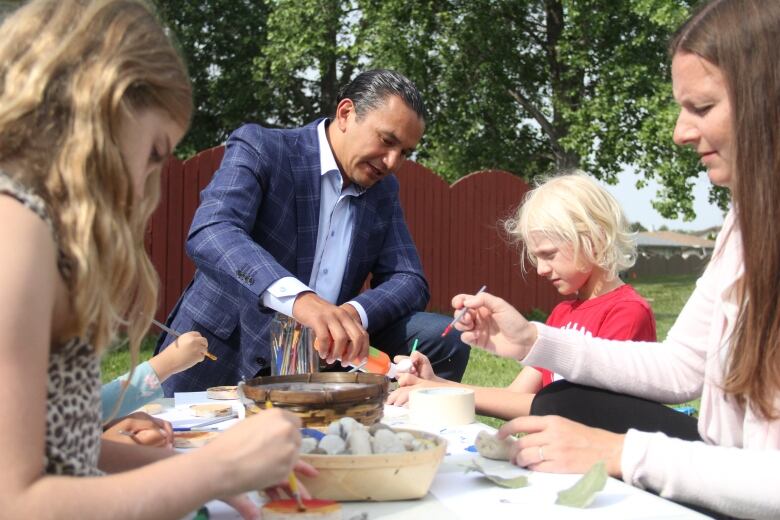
(192, 439)
(222, 392)
(315, 510)
(211, 410)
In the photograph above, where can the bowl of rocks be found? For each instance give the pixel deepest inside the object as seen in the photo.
(373, 463)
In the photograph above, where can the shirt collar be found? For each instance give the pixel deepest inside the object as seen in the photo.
(327, 161)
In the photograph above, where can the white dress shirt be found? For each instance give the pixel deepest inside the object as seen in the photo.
(334, 236)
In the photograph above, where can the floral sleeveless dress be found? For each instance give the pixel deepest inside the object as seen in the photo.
(73, 424)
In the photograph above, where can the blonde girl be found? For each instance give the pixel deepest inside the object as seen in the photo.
(575, 234)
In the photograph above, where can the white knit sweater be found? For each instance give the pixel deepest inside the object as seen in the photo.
(737, 469)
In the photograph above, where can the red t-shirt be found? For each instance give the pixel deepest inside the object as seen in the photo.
(619, 314)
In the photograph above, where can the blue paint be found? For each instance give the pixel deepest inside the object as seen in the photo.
(311, 432)
(687, 410)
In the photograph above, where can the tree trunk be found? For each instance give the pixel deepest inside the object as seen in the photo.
(565, 84)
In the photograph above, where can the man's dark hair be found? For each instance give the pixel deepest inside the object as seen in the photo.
(370, 89)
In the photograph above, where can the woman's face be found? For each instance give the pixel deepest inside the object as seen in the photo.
(704, 122)
(146, 139)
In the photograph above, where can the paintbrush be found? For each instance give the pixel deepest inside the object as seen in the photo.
(460, 315)
(166, 328)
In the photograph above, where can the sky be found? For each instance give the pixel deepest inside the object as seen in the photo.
(636, 204)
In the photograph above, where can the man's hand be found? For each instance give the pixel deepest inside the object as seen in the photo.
(338, 331)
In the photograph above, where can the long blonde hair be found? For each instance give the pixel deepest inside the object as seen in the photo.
(70, 71)
(571, 208)
(740, 37)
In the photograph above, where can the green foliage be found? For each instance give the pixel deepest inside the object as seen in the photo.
(637, 227)
(219, 39)
(312, 51)
(531, 87)
(519, 85)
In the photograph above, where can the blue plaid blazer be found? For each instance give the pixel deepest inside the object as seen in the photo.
(257, 222)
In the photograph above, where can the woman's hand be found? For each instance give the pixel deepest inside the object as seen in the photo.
(492, 324)
(140, 428)
(557, 445)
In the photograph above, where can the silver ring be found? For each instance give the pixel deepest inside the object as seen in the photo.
(541, 454)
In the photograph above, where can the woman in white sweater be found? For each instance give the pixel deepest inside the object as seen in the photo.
(725, 345)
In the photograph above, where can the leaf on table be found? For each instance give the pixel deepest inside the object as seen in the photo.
(512, 483)
(582, 493)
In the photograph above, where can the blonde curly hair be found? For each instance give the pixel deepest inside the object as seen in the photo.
(571, 208)
(70, 71)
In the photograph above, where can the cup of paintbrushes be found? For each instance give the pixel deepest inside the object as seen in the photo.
(292, 347)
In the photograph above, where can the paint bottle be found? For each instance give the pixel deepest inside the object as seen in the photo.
(379, 363)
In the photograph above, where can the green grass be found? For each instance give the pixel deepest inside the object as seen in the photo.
(666, 294)
(485, 369)
(117, 360)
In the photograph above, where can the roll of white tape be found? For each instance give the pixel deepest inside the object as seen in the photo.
(441, 406)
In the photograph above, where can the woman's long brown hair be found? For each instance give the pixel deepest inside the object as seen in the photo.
(741, 37)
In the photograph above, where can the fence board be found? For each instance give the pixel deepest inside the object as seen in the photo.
(174, 241)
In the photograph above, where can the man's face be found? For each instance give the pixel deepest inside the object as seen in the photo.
(374, 144)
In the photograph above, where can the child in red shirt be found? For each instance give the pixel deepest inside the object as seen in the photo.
(575, 234)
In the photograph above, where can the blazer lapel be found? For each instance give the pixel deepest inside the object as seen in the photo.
(305, 167)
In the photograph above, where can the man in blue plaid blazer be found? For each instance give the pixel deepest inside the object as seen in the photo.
(295, 221)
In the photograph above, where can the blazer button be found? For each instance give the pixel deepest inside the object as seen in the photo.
(261, 361)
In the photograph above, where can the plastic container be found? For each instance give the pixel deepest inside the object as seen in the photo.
(379, 363)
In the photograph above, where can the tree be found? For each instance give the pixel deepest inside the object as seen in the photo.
(637, 227)
(313, 50)
(532, 86)
(219, 39)
(528, 86)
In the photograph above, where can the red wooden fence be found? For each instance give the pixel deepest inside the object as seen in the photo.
(455, 228)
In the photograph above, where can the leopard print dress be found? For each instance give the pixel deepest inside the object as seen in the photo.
(73, 424)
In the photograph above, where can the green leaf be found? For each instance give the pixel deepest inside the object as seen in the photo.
(512, 483)
(581, 494)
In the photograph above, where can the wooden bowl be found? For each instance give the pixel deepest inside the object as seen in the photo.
(378, 477)
(320, 398)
